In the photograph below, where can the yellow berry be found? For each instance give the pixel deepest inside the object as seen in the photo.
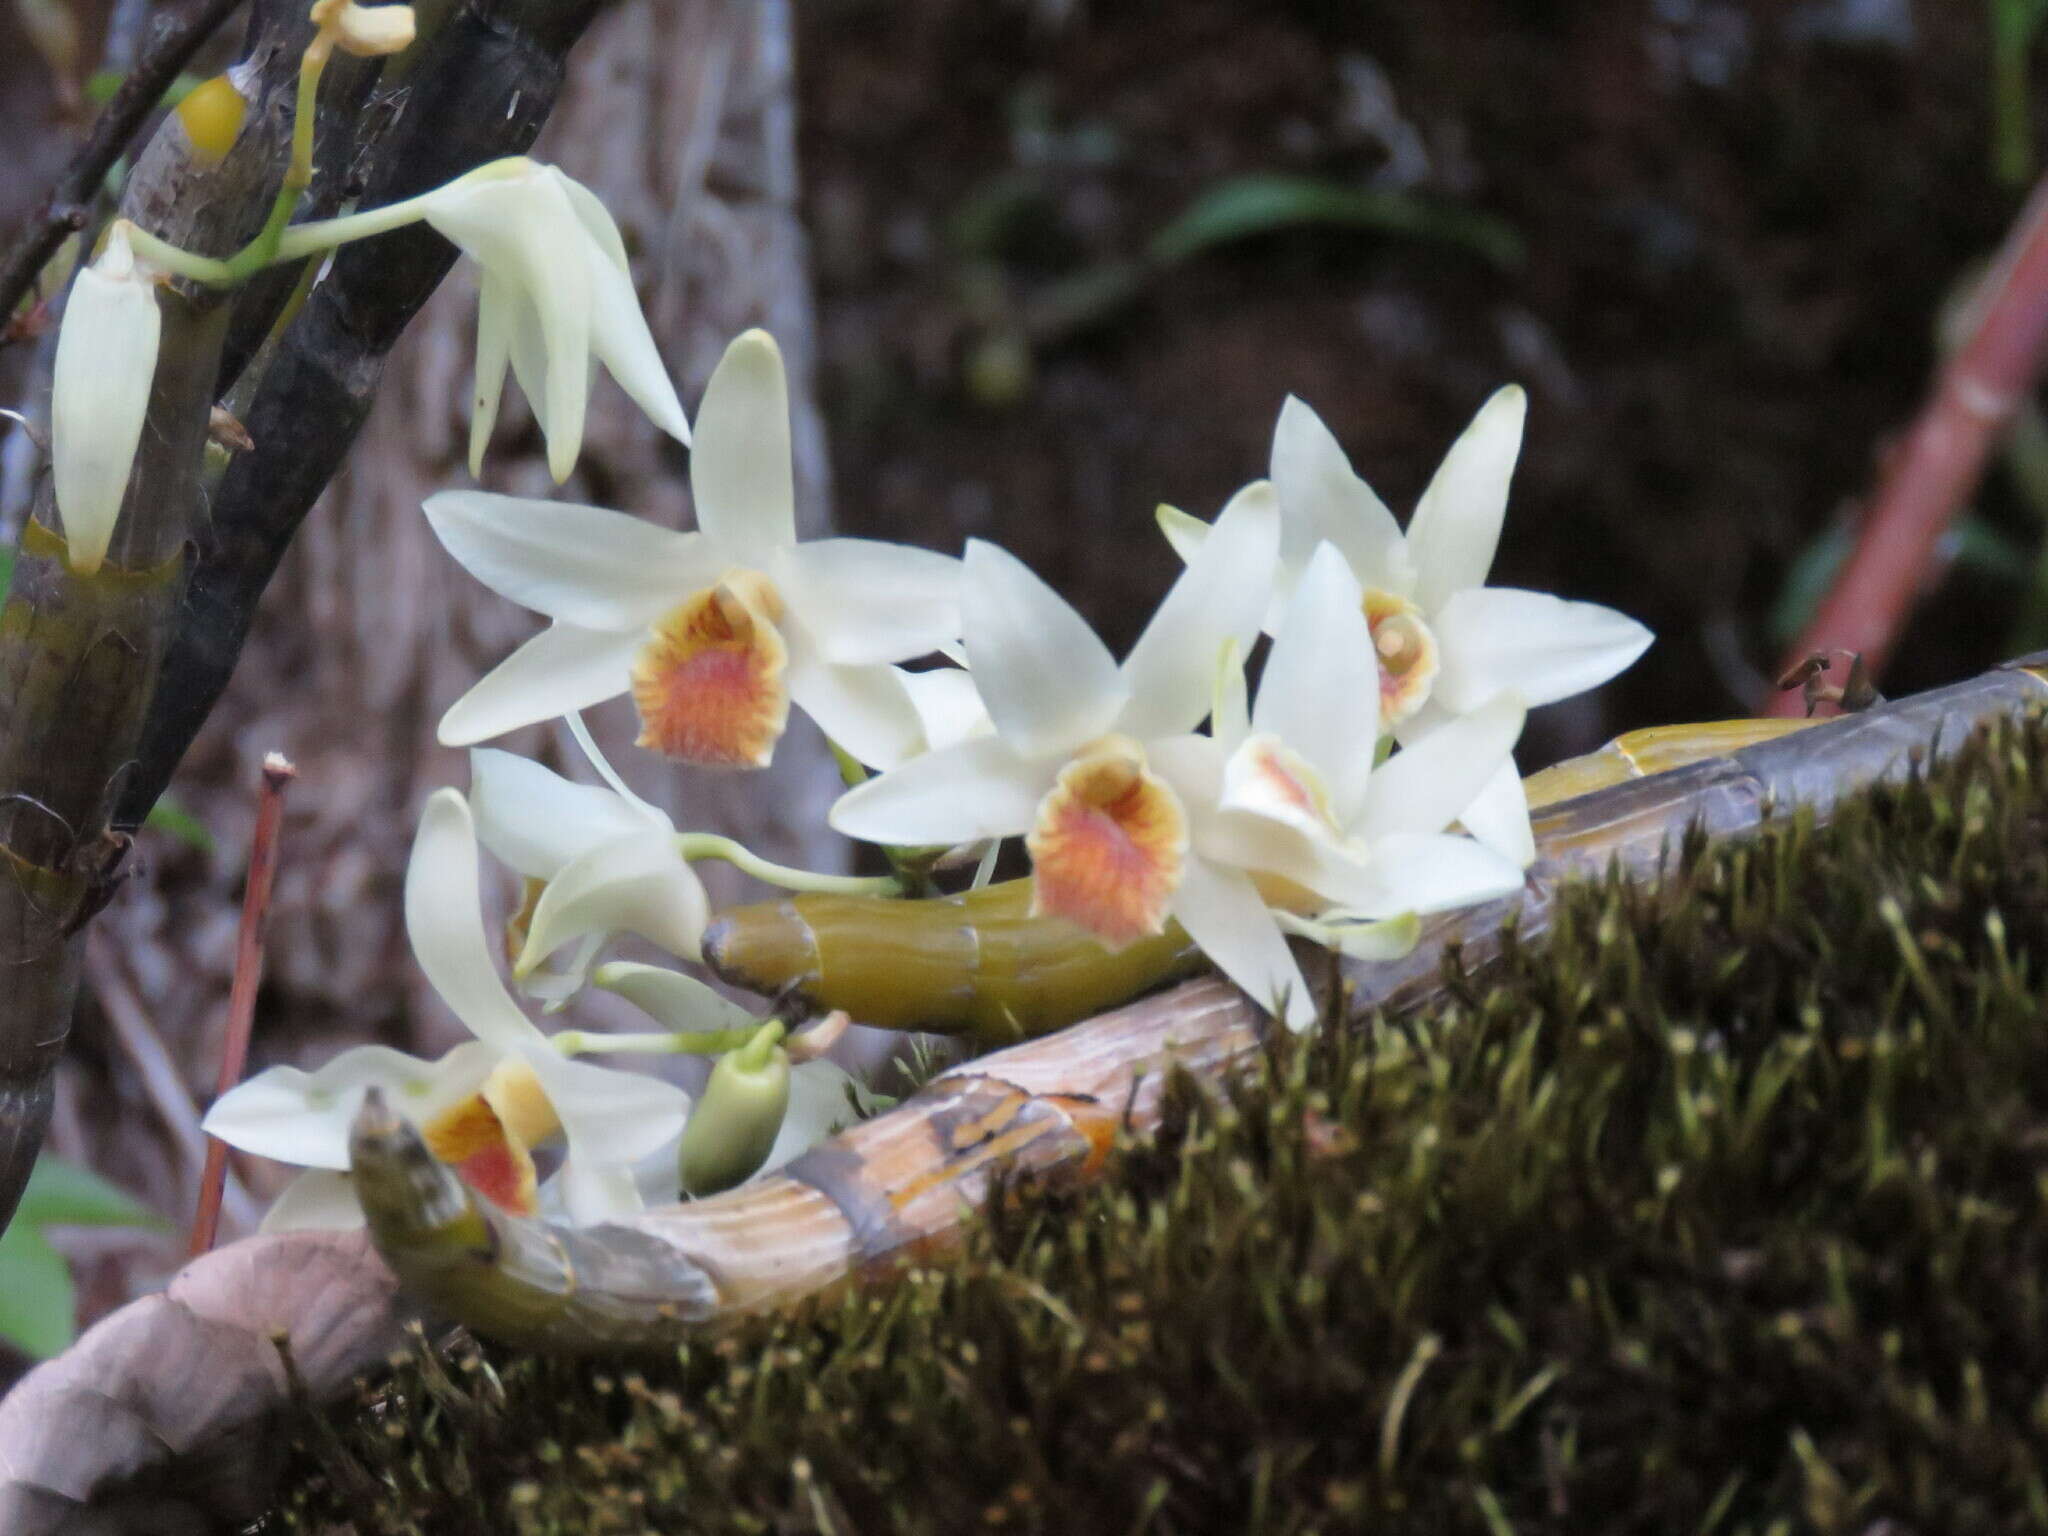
(212, 113)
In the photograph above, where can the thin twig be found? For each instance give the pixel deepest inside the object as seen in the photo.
(1936, 468)
(234, 1056)
(138, 1040)
(68, 204)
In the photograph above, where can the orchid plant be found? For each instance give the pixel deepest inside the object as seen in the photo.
(1365, 781)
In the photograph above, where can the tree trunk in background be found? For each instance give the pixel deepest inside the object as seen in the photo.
(680, 114)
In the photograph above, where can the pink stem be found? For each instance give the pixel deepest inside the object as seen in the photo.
(277, 774)
(1936, 468)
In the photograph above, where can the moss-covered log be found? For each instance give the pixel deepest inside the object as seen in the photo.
(1723, 1212)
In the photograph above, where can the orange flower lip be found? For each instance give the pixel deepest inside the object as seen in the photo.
(1407, 651)
(486, 1137)
(712, 684)
(1108, 845)
(1268, 778)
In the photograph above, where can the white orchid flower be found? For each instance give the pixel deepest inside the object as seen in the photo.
(484, 1106)
(715, 632)
(1447, 644)
(1067, 764)
(99, 394)
(555, 292)
(608, 860)
(1287, 811)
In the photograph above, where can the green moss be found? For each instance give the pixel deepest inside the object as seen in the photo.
(1724, 1212)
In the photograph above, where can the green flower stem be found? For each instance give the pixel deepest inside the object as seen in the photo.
(660, 1042)
(708, 845)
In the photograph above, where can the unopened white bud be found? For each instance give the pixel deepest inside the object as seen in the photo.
(106, 357)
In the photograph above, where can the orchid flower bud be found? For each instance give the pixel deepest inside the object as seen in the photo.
(106, 357)
(733, 1128)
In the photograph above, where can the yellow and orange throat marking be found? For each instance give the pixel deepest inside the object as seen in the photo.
(712, 683)
(1109, 844)
(1407, 653)
(487, 1137)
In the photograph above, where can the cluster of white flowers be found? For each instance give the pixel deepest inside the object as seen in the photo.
(1369, 781)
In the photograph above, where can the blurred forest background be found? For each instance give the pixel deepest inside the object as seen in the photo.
(1042, 264)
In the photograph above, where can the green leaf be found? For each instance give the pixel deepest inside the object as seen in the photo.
(1257, 204)
(174, 821)
(62, 1194)
(6, 568)
(38, 1309)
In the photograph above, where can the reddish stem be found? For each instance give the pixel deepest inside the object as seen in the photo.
(1936, 468)
(277, 774)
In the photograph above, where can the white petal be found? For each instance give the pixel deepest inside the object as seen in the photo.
(495, 321)
(563, 668)
(535, 821)
(740, 475)
(608, 1116)
(981, 788)
(1544, 648)
(529, 347)
(620, 338)
(591, 1193)
(1320, 691)
(1184, 532)
(818, 1108)
(587, 566)
(869, 601)
(1220, 598)
(1321, 497)
(1424, 786)
(1224, 915)
(99, 395)
(1456, 527)
(1499, 817)
(638, 884)
(444, 919)
(1419, 873)
(948, 706)
(618, 328)
(678, 1000)
(1230, 716)
(595, 218)
(866, 710)
(304, 1117)
(1049, 682)
(1193, 766)
(1382, 939)
(318, 1200)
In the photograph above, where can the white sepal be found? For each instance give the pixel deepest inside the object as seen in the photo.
(1456, 528)
(318, 1200)
(741, 478)
(1219, 600)
(303, 1117)
(1491, 639)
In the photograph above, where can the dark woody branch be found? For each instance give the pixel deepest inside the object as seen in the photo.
(105, 679)
(79, 654)
(481, 90)
(69, 202)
